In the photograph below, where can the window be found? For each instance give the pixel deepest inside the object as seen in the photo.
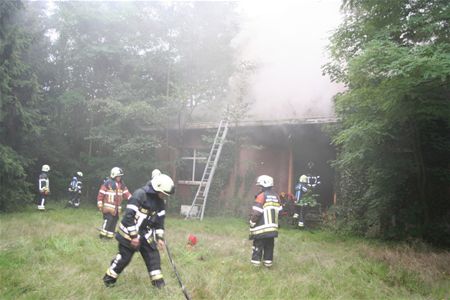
(193, 163)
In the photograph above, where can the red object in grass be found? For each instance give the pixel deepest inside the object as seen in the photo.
(192, 240)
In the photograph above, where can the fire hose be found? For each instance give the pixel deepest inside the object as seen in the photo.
(183, 288)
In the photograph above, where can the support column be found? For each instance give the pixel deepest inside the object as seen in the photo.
(290, 168)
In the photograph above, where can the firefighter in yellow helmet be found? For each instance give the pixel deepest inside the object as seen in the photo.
(301, 188)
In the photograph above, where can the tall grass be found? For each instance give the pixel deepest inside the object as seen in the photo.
(57, 254)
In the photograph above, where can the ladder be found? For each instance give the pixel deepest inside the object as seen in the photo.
(197, 208)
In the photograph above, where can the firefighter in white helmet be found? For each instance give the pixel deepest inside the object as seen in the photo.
(75, 187)
(142, 229)
(44, 186)
(264, 222)
(109, 200)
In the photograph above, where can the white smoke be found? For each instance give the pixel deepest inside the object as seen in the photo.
(287, 40)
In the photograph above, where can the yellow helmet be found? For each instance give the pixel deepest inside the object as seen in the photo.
(303, 179)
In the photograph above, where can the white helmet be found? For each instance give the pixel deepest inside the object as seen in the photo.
(264, 181)
(116, 171)
(164, 184)
(155, 173)
(45, 168)
(80, 174)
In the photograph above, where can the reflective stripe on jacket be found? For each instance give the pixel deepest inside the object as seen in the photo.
(144, 217)
(265, 214)
(110, 196)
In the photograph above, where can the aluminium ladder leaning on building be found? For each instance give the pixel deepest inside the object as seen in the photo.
(197, 208)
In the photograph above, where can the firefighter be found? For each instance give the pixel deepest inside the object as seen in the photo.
(74, 189)
(142, 229)
(44, 186)
(264, 222)
(109, 200)
(301, 188)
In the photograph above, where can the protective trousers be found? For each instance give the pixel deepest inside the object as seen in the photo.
(299, 214)
(263, 248)
(149, 253)
(41, 203)
(109, 225)
(75, 199)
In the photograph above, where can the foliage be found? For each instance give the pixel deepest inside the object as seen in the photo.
(93, 85)
(308, 200)
(393, 141)
(13, 175)
(137, 68)
(19, 98)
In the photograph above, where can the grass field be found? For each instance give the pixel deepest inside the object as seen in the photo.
(57, 254)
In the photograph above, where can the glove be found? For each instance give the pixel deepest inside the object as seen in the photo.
(252, 224)
(135, 243)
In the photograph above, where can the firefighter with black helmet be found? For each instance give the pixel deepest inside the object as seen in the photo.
(142, 229)
(264, 222)
(44, 186)
(109, 200)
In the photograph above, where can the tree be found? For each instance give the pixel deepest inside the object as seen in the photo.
(19, 95)
(393, 141)
(122, 68)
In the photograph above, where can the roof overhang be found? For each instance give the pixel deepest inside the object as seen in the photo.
(258, 123)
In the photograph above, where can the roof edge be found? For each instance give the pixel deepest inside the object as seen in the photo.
(252, 123)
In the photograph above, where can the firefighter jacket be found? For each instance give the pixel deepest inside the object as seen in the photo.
(110, 196)
(44, 184)
(264, 215)
(75, 185)
(300, 190)
(144, 217)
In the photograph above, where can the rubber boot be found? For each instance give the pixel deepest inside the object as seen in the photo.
(109, 281)
(159, 283)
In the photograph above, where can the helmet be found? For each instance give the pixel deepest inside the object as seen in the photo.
(164, 184)
(303, 179)
(264, 181)
(80, 174)
(45, 168)
(155, 173)
(192, 240)
(116, 172)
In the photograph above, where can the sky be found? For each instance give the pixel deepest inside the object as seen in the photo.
(287, 40)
